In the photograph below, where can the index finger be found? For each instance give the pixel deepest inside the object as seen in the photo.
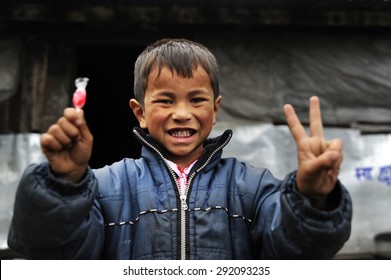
(294, 123)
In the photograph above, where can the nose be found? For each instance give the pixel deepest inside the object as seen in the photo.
(181, 113)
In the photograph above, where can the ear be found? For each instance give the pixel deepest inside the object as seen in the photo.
(216, 108)
(138, 111)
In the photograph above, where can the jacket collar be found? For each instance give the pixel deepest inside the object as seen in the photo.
(212, 147)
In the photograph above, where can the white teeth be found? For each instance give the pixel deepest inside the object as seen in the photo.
(181, 133)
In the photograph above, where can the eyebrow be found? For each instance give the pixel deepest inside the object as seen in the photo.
(170, 94)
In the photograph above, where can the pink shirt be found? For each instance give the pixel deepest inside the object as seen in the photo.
(182, 175)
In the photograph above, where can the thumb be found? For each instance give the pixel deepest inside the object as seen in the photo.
(81, 123)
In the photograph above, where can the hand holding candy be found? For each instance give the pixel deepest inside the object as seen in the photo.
(67, 144)
(80, 95)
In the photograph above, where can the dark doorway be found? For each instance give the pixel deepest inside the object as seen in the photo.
(110, 70)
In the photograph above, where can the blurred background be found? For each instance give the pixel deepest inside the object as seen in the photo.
(270, 52)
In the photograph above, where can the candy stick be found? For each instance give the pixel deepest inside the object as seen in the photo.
(80, 95)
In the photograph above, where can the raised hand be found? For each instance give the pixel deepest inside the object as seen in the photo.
(318, 160)
(68, 145)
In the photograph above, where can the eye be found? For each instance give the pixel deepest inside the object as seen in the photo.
(163, 101)
(197, 100)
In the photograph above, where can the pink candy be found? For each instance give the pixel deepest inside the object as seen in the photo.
(80, 95)
(79, 98)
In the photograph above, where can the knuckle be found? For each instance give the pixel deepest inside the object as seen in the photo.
(62, 121)
(53, 129)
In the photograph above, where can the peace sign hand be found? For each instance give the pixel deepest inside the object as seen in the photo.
(318, 160)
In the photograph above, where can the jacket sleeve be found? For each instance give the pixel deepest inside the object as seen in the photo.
(54, 219)
(318, 234)
(288, 227)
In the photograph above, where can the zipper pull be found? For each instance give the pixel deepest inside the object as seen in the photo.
(183, 202)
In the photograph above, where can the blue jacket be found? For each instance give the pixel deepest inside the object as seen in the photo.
(132, 210)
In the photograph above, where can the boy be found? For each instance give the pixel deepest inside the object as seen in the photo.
(180, 200)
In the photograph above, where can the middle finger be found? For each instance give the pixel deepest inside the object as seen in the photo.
(316, 125)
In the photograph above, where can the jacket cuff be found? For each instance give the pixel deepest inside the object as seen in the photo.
(315, 230)
(63, 186)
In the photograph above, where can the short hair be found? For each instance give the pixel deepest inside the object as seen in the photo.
(179, 55)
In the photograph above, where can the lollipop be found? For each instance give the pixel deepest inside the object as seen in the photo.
(80, 95)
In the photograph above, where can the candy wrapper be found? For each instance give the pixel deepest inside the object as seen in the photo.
(80, 95)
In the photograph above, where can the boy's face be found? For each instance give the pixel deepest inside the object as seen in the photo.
(178, 112)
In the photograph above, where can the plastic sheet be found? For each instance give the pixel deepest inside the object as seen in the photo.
(16, 152)
(349, 72)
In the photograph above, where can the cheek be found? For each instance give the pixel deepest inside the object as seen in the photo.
(206, 117)
(155, 118)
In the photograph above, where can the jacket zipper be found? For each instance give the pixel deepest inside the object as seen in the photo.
(183, 198)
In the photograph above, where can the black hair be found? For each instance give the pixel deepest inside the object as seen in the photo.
(179, 55)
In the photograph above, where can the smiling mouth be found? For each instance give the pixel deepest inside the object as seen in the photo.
(182, 133)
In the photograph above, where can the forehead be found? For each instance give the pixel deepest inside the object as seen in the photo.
(171, 84)
(198, 75)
